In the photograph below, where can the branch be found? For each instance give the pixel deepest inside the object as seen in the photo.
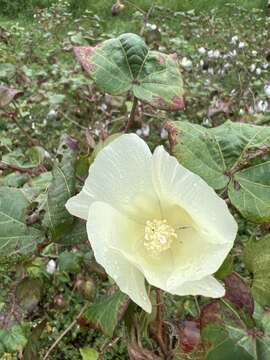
(132, 114)
(74, 322)
(36, 170)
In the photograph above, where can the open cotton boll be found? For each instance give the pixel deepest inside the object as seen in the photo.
(234, 39)
(51, 267)
(150, 219)
(262, 106)
(267, 89)
(252, 67)
(258, 71)
(186, 63)
(202, 50)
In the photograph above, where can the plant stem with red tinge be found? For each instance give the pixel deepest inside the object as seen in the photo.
(131, 118)
(159, 323)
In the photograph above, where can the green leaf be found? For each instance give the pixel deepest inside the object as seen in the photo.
(251, 195)
(15, 179)
(7, 71)
(62, 187)
(7, 94)
(224, 157)
(225, 333)
(42, 181)
(89, 354)
(15, 235)
(225, 269)
(28, 293)
(13, 339)
(25, 159)
(76, 235)
(105, 313)
(125, 63)
(31, 350)
(257, 261)
(70, 261)
(262, 318)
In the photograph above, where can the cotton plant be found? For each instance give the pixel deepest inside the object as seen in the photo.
(149, 219)
(154, 219)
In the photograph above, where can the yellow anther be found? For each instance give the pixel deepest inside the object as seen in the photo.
(158, 236)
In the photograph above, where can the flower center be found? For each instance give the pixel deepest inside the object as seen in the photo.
(158, 236)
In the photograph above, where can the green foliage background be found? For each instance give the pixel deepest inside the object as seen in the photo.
(15, 7)
(222, 95)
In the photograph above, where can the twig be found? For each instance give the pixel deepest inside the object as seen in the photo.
(72, 121)
(35, 170)
(159, 311)
(158, 333)
(146, 18)
(74, 322)
(131, 118)
(136, 7)
(13, 117)
(108, 345)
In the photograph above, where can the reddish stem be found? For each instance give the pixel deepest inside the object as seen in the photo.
(159, 326)
(131, 118)
(159, 311)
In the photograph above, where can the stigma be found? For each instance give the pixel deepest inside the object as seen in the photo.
(158, 236)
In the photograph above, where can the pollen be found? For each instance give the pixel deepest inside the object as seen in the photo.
(158, 236)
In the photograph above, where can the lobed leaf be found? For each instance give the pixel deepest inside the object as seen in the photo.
(105, 313)
(253, 197)
(89, 354)
(12, 339)
(257, 261)
(224, 157)
(125, 63)
(15, 235)
(62, 187)
(8, 94)
(225, 333)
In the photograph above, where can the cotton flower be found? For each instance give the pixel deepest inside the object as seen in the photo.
(241, 45)
(150, 218)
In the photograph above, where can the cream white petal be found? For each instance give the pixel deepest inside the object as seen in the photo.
(79, 204)
(175, 184)
(191, 258)
(206, 229)
(120, 176)
(207, 286)
(108, 230)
